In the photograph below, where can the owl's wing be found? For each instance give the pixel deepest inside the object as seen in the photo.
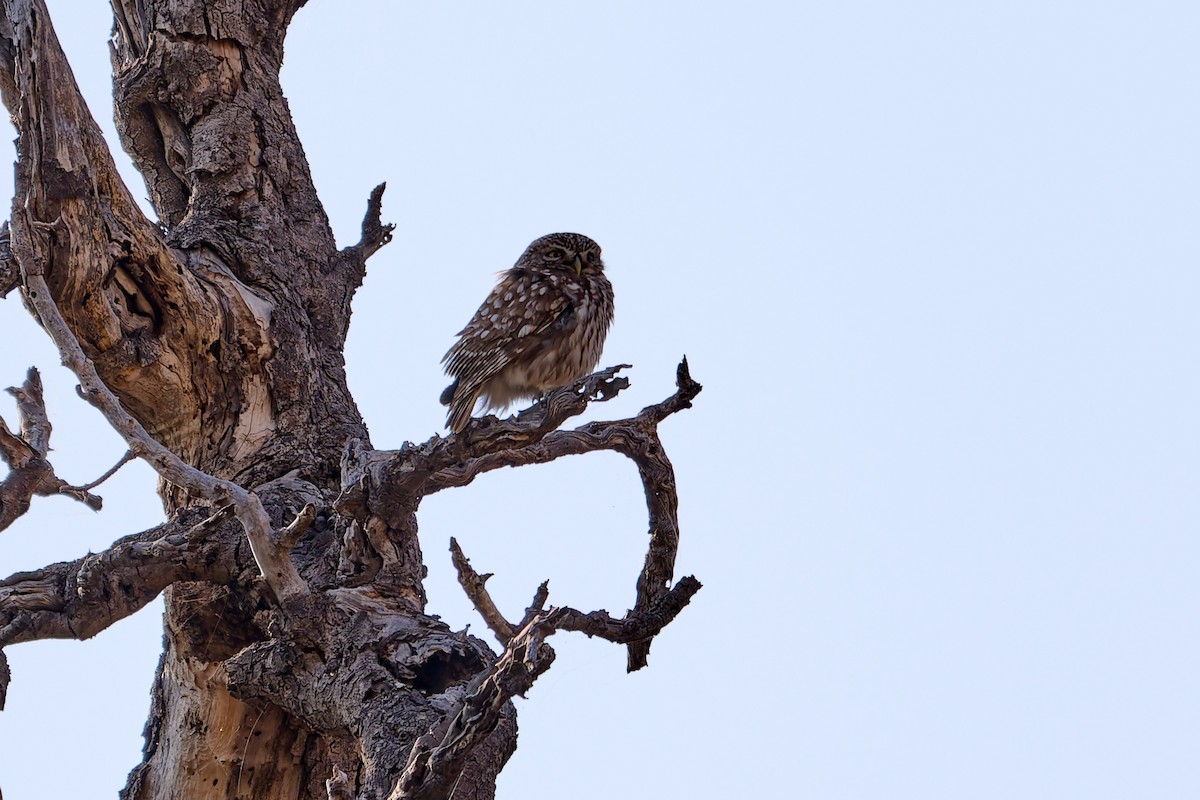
(523, 306)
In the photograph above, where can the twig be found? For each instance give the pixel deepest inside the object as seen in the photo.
(125, 459)
(474, 585)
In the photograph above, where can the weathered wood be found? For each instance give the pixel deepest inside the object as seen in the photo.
(26, 456)
(475, 585)
(299, 660)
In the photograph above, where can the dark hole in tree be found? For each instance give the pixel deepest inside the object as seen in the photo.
(442, 670)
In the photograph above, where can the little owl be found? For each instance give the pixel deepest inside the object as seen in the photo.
(541, 328)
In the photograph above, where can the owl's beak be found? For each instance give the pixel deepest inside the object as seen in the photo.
(578, 265)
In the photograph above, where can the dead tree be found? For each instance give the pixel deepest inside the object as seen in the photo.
(212, 340)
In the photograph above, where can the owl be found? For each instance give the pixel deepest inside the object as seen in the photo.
(541, 328)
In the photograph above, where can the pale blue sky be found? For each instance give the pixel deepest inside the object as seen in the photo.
(936, 265)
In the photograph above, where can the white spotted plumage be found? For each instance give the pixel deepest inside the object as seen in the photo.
(542, 327)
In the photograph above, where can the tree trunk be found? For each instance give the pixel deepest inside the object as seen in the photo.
(299, 661)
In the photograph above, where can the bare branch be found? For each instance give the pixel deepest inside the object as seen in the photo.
(26, 455)
(273, 560)
(438, 756)
(474, 585)
(78, 599)
(31, 406)
(125, 459)
(409, 469)
(637, 438)
(375, 234)
(585, 439)
(635, 628)
(538, 605)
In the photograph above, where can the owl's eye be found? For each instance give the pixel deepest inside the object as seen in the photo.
(592, 257)
(554, 255)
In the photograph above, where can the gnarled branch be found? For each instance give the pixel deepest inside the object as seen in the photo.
(438, 756)
(78, 599)
(375, 233)
(636, 438)
(474, 585)
(412, 469)
(585, 439)
(26, 456)
(10, 273)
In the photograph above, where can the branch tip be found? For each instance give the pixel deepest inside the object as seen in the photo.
(375, 233)
(125, 459)
(474, 585)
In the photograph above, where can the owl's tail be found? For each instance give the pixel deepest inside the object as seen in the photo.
(460, 406)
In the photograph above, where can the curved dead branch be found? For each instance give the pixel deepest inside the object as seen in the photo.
(637, 438)
(415, 469)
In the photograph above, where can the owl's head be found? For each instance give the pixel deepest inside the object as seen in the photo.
(570, 252)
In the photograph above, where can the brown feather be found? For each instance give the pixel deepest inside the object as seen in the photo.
(542, 327)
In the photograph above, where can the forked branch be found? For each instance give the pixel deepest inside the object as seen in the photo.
(638, 439)
(438, 756)
(585, 439)
(26, 454)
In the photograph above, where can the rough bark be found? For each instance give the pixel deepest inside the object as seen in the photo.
(299, 661)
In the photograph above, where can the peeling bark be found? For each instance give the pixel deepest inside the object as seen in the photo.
(299, 660)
